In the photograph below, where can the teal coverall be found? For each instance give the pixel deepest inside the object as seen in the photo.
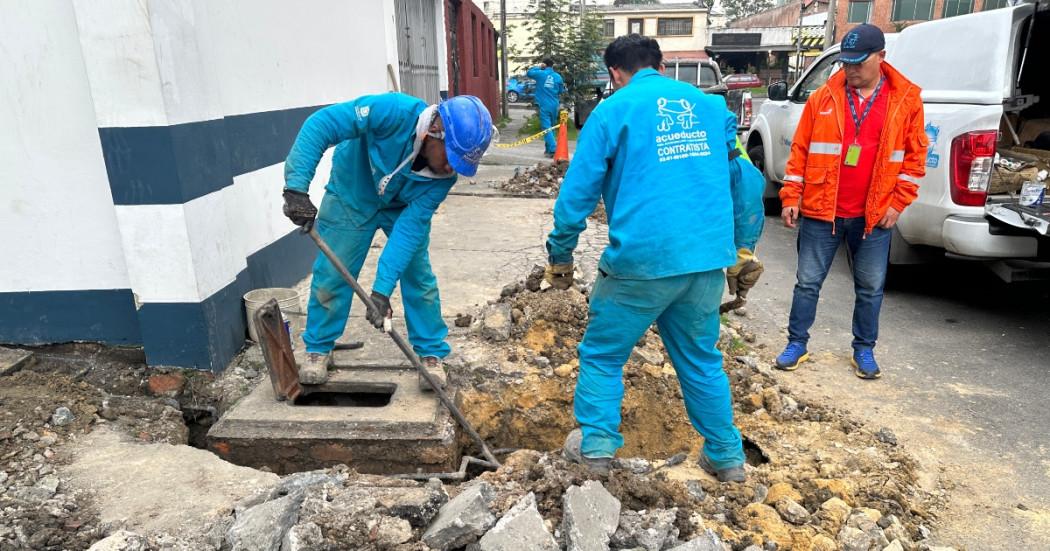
(657, 153)
(373, 136)
(549, 86)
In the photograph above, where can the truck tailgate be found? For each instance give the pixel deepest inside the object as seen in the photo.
(1036, 218)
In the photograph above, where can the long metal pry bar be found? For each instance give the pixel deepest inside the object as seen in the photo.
(405, 349)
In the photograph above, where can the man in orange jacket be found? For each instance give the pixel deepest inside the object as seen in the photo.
(856, 161)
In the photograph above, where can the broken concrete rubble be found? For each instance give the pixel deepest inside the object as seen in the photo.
(520, 528)
(591, 516)
(650, 530)
(462, 520)
(707, 541)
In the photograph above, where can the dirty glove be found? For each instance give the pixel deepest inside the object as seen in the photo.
(299, 209)
(376, 316)
(559, 275)
(743, 275)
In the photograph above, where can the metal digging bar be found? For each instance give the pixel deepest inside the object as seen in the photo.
(406, 350)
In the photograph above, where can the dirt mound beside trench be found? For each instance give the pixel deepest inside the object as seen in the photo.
(800, 453)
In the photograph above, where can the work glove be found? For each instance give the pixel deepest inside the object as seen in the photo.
(743, 275)
(299, 209)
(381, 311)
(559, 275)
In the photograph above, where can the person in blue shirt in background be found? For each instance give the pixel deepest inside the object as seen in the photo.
(549, 87)
(395, 160)
(682, 206)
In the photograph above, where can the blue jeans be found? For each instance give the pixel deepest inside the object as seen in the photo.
(350, 237)
(685, 308)
(868, 256)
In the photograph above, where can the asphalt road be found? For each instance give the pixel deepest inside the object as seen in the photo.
(966, 363)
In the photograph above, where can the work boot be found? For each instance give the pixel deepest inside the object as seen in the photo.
(573, 452)
(314, 369)
(728, 474)
(792, 356)
(864, 364)
(436, 368)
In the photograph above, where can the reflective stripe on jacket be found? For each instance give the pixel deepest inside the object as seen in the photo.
(812, 176)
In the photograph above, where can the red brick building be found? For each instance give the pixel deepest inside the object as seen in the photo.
(893, 15)
(473, 67)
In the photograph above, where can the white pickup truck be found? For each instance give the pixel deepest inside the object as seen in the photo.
(985, 80)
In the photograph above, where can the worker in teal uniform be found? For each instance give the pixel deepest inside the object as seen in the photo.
(395, 160)
(549, 88)
(682, 205)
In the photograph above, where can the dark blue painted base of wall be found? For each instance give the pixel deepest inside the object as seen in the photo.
(204, 335)
(207, 335)
(45, 317)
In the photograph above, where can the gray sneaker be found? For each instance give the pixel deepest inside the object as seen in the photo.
(436, 368)
(729, 474)
(572, 452)
(314, 369)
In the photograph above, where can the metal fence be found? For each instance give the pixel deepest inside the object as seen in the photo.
(417, 48)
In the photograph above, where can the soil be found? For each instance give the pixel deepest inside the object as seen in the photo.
(544, 180)
(800, 448)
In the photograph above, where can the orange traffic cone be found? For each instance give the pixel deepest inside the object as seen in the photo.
(561, 151)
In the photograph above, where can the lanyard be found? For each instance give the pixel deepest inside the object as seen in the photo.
(867, 108)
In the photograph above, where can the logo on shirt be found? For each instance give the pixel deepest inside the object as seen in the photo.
(549, 83)
(675, 138)
(674, 111)
(362, 111)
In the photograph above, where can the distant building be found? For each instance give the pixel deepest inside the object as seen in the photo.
(893, 15)
(769, 43)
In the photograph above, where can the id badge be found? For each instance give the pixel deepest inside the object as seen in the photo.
(852, 155)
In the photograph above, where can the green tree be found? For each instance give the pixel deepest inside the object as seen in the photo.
(574, 43)
(735, 9)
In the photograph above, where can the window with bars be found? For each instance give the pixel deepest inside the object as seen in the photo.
(674, 26)
(609, 28)
(636, 26)
(859, 11)
(912, 10)
(995, 4)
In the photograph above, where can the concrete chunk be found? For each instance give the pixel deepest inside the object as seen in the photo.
(653, 530)
(708, 541)
(520, 529)
(463, 519)
(13, 359)
(122, 540)
(591, 517)
(262, 528)
(497, 323)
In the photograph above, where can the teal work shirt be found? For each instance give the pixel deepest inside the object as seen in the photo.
(656, 152)
(372, 135)
(549, 86)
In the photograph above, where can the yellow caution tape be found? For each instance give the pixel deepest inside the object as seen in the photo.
(563, 118)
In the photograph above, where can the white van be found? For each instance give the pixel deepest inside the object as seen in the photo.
(985, 80)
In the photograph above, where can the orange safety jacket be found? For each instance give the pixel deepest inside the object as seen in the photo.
(811, 178)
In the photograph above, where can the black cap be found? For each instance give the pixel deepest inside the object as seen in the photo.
(860, 42)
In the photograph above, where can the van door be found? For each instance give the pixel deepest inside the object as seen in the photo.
(964, 59)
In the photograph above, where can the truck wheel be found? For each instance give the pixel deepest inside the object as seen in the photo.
(771, 197)
(512, 97)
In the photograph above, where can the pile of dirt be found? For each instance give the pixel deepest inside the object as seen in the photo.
(64, 393)
(800, 453)
(542, 180)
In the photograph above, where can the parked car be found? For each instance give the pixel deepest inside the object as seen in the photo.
(742, 80)
(520, 88)
(980, 97)
(702, 73)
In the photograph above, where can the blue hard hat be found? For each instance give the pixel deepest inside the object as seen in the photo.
(468, 130)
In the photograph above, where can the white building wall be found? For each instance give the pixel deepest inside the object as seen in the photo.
(56, 215)
(201, 78)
